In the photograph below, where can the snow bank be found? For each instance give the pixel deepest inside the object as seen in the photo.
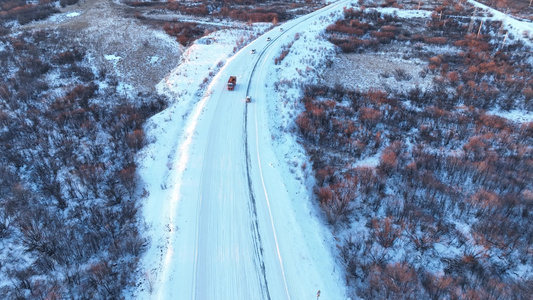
(521, 30)
(519, 116)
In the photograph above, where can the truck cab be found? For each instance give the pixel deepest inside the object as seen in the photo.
(232, 81)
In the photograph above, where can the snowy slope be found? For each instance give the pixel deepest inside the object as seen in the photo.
(221, 218)
(521, 29)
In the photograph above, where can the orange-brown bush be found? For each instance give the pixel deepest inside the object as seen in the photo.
(284, 52)
(25, 13)
(346, 33)
(436, 40)
(341, 27)
(185, 33)
(253, 16)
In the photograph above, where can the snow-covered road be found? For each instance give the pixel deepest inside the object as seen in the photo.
(230, 230)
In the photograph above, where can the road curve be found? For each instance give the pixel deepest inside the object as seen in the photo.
(224, 241)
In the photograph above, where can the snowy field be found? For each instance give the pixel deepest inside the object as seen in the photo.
(227, 189)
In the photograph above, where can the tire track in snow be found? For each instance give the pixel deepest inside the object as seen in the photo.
(248, 158)
(199, 205)
(261, 174)
(258, 246)
(255, 225)
(258, 260)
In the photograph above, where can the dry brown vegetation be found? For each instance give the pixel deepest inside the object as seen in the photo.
(249, 11)
(185, 33)
(285, 50)
(24, 12)
(445, 213)
(521, 9)
(483, 74)
(438, 168)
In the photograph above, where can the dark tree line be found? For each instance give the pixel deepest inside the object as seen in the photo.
(242, 10)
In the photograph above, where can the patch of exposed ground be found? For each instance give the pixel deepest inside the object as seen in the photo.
(381, 70)
(140, 55)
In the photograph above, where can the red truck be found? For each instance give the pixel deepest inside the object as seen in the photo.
(232, 82)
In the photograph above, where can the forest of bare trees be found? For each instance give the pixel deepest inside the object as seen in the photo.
(69, 196)
(445, 213)
(249, 11)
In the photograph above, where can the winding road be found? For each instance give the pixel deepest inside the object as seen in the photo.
(233, 235)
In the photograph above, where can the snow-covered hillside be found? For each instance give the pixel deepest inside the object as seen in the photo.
(399, 169)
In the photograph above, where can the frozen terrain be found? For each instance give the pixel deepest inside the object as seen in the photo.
(224, 222)
(226, 219)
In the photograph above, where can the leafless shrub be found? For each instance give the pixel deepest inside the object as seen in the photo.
(401, 75)
(185, 33)
(64, 3)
